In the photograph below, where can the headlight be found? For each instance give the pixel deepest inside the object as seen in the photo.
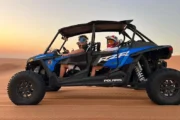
(30, 60)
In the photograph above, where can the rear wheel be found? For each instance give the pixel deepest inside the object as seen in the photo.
(163, 87)
(26, 88)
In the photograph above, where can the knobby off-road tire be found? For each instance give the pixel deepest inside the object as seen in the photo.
(23, 84)
(162, 83)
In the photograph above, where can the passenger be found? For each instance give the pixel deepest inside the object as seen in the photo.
(82, 43)
(112, 45)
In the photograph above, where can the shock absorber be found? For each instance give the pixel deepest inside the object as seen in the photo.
(139, 72)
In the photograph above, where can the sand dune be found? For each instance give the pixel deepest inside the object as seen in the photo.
(7, 64)
(174, 62)
(82, 103)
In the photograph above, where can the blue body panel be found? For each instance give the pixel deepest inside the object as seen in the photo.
(41, 56)
(124, 57)
(53, 61)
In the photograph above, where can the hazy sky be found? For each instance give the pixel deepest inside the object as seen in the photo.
(27, 27)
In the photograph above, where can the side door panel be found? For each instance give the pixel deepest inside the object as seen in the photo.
(98, 58)
(77, 59)
(113, 59)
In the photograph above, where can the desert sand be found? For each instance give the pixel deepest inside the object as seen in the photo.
(84, 103)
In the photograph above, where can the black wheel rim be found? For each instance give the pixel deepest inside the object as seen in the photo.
(169, 88)
(25, 89)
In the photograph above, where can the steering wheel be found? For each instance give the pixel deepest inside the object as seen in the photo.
(65, 50)
(56, 51)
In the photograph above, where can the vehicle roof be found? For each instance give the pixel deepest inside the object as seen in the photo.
(100, 26)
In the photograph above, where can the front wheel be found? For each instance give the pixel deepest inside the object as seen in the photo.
(163, 87)
(26, 88)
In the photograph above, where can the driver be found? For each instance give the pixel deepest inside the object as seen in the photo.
(112, 45)
(82, 44)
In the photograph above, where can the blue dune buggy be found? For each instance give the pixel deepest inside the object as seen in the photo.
(137, 63)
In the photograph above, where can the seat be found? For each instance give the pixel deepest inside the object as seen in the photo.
(95, 47)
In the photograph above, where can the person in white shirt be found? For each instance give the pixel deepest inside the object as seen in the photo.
(112, 45)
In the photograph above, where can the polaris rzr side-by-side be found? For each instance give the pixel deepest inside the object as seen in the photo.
(137, 63)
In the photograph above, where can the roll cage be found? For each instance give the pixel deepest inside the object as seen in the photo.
(91, 58)
(100, 26)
